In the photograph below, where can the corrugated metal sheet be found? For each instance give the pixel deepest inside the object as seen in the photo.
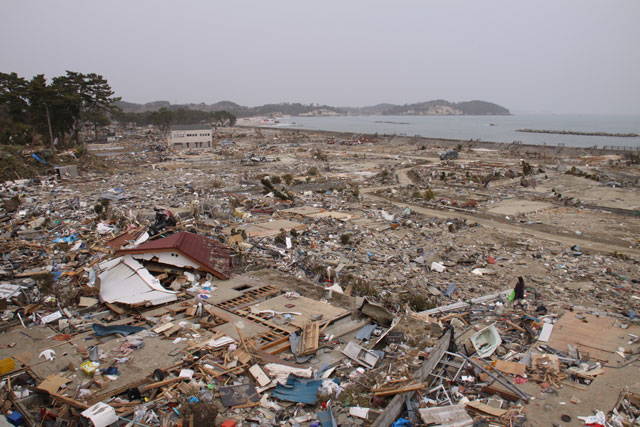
(211, 255)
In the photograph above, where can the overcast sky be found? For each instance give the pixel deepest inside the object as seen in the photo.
(556, 56)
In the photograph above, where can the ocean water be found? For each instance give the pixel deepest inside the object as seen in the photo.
(485, 128)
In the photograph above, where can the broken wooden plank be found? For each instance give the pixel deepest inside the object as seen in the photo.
(397, 390)
(70, 401)
(115, 308)
(259, 375)
(161, 383)
(500, 390)
(309, 338)
(486, 409)
(119, 390)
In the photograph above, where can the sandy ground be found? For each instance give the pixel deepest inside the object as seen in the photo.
(518, 207)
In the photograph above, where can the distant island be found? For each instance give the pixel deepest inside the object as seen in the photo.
(574, 132)
(438, 107)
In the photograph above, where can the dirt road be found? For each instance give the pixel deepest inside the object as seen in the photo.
(565, 240)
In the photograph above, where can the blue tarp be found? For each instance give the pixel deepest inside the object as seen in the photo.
(300, 390)
(35, 156)
(68, 239)
(102, 331)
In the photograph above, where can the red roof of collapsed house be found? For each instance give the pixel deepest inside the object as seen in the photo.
(211, 255)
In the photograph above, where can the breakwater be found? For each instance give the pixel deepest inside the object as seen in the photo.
(573, 132)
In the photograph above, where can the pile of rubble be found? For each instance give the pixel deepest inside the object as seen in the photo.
(209, 297)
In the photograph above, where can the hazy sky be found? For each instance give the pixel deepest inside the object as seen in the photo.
(559, 56)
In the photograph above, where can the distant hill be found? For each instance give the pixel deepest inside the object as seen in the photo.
(130, 107)
(435, 107)
(442, 107)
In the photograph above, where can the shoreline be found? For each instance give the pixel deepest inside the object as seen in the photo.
(466, 143)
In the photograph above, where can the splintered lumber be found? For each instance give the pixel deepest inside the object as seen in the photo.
(404, 389)
(215, 374)
(161, 383)
(309, 339)
(394, 408)
(497, 388)
(69, 400)
(106, 395)
(115, 308)
(514, 326)
(486, 409)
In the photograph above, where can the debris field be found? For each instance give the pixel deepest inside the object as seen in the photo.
(301, 278)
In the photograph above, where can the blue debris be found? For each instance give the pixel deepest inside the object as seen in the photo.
(327, 419)
(67, 239)
(103, 331)
(112, 370)
(299, 390)
(365, 332)
(15, 418)
(401, 422)
(35, 156)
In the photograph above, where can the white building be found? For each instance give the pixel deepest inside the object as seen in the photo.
(191, 136)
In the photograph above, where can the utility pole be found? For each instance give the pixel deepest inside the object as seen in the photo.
(46, 108)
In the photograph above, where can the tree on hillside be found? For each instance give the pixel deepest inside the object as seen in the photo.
(13, 109)
(92, 98)
(39, 97)
(67, 103)
(63, 108)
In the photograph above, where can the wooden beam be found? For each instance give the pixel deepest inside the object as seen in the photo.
(404, 389)
(70, 401)
(161, 383)
(110, 393)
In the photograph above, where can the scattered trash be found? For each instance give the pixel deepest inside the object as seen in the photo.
(348, 297)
